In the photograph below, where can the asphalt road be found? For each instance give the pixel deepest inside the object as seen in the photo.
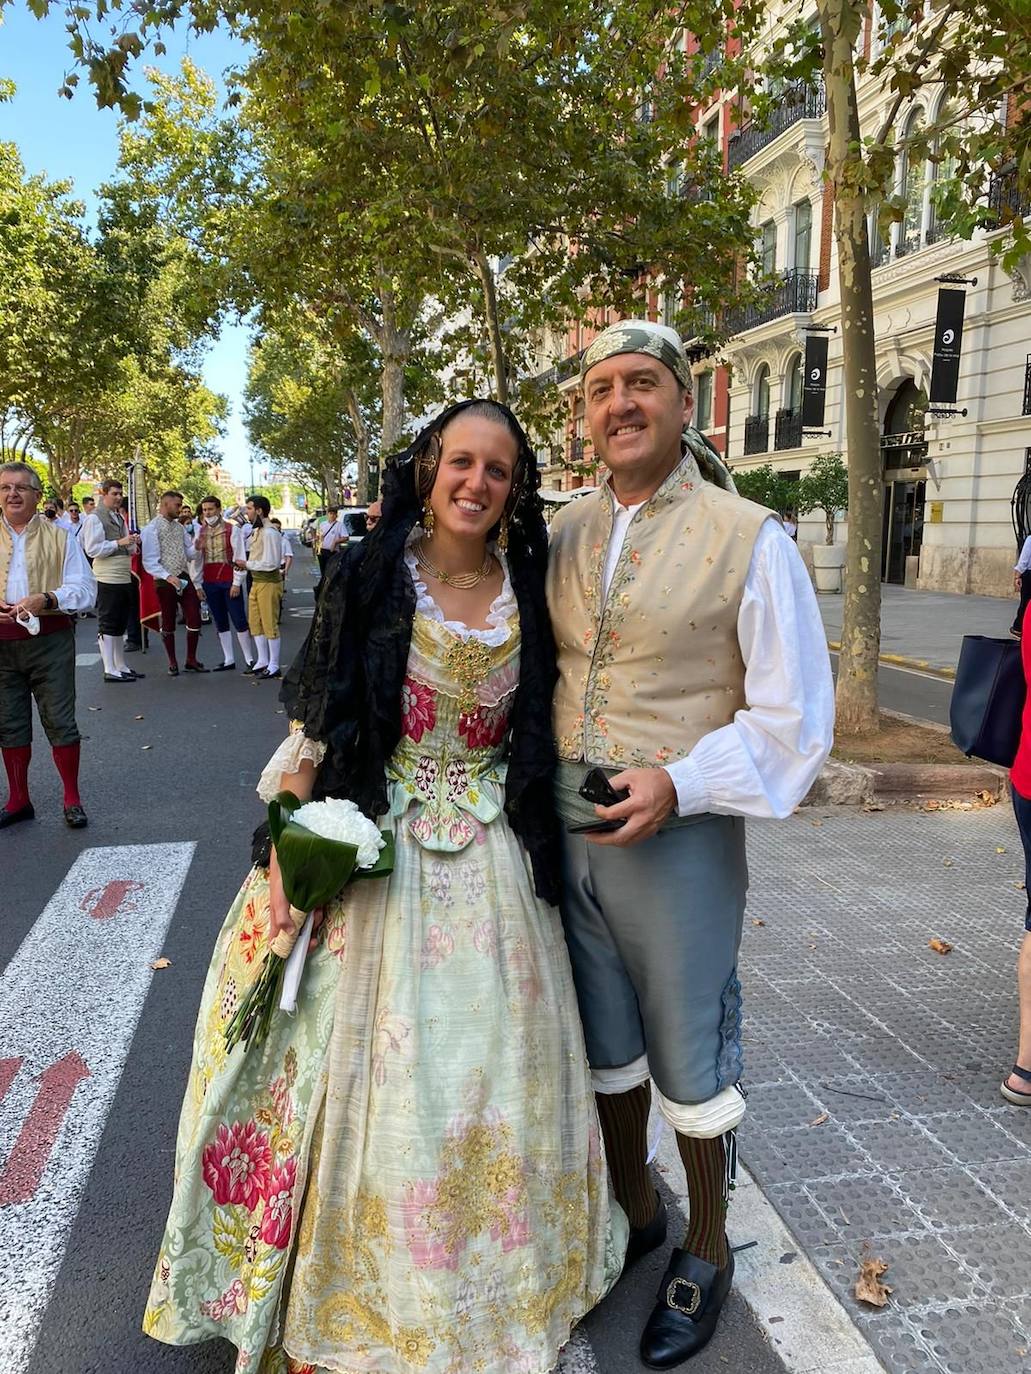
(168, 762)
(914, 693)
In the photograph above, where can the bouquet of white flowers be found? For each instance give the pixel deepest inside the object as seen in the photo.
(321, 847)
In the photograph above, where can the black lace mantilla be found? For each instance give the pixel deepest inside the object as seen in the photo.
(345, 684)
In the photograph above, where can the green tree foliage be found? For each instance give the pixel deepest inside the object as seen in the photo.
(824, 487)
(767, 486)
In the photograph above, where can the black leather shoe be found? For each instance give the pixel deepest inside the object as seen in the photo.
(24, 813)
(75, 817)
(250, 668)
(646, 1238)
(131, 675)
(196, 668)
(132, 648)
(116, 677)
(269, 674)
(224, 668)
(691, 1296)
(173, 670)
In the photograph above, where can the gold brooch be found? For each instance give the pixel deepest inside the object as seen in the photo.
(468, 661)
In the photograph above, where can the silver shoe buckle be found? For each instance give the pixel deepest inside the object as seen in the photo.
(692, 1299)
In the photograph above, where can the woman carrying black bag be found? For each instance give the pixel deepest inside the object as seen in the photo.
(1016, 1088)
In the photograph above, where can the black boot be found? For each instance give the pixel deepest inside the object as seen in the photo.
(691, 1296)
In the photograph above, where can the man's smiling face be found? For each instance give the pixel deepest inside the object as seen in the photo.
(636, 411)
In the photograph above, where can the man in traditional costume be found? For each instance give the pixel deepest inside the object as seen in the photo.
(109, 544)
(223, 585)
(45, 579)
(693, 670)
(264, 555)
(167, 552)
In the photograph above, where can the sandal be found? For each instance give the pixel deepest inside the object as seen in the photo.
(1014, 1095)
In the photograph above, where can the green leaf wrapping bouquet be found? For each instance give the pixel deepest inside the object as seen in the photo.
(321, 847)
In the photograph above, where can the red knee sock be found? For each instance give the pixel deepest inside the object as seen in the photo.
(192, 640)
(169, 643)
(66, 756)
(16, 761)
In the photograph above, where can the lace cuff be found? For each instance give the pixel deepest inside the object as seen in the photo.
(287, 759)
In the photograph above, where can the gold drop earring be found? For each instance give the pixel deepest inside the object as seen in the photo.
(428, 519)
(503, 534)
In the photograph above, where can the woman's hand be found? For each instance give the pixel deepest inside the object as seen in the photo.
(279, 906)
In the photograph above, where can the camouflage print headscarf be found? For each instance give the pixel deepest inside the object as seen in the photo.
(640, 336)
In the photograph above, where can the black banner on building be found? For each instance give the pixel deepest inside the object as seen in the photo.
(814, 381)
(948, 344)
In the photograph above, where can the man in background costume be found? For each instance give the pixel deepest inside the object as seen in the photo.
(44, 580)
(684, 620)
(264, 549)
(167, 552)
(109, 544)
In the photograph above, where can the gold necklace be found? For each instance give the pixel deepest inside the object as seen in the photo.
(460, 580)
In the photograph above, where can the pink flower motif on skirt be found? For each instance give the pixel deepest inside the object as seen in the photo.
(485, 939)
(236, 1164)
(418, 709)
(425, 1247)
(278, 1214)
(438, 946)
(231, 1302)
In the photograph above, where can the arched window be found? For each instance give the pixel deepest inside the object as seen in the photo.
(943, 171)
(793, 393)
(912, 183)
(762, 391)
(803, 235)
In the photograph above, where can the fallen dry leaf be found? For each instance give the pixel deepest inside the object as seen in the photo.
(161, 963)
(817, 823)
(868, 1285)
(940, 946)
(819, 1120)
(948, 863)
(758, 921)
(999, 849)
(932, 805)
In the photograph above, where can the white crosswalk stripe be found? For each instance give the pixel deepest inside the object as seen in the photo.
(70, 1000)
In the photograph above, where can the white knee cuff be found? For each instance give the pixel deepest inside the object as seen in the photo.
(704, 1120)
(621, 1080)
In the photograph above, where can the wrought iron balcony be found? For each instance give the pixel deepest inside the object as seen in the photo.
(793, 294)
(576, 451)
(797, 102)
(711, 60)
(1027, 387)
(1007, 197)
(787, 429)
(757, 434)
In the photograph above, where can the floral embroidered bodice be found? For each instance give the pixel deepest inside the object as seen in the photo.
(448, 770)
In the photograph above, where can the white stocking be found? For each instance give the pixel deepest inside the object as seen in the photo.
(225, 638)
(261, 643)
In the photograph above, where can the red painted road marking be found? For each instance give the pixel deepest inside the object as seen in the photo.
(104, 902)
(35, 1143)
(8, 1073)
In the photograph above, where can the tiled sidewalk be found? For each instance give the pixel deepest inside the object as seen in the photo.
(850, 1013)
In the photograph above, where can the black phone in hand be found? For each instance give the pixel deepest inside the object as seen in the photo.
(596, 788)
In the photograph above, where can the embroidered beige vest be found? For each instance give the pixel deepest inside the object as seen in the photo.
(44, 556)
(645, 675)
(115, 567)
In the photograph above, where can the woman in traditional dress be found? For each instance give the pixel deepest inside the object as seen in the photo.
(407, 1175)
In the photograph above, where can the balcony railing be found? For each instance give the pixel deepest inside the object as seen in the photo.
(787, 429)
(1007, 197)
(711, 60)
(1027, 387)
(561, 372)
(904, 450)
(757, 434)
(794, 294)
(797, 102)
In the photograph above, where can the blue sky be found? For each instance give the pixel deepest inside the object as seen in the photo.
(72, 138)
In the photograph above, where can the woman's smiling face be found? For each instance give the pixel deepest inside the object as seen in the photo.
(474, 477)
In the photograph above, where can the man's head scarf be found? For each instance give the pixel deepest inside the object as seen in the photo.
(640, 336)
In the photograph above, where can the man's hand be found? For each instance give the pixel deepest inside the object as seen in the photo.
(127, 541)
(6, 612)
(234, 590)
(173, 582)
(652, 798)
(31, 605)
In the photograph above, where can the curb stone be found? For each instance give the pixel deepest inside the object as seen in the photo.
(917, 665)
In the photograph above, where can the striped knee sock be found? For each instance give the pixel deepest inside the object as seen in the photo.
(624, 1128)
(708, 1184)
